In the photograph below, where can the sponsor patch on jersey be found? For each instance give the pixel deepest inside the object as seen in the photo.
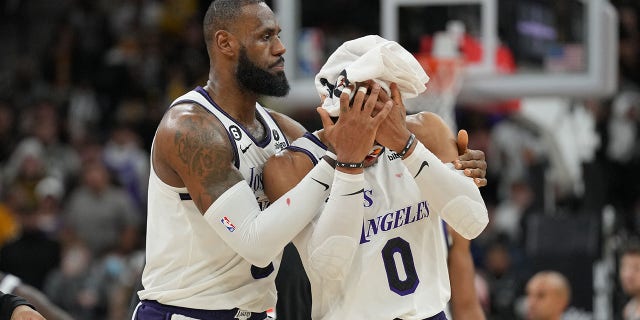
(227, 223)
(243, 315)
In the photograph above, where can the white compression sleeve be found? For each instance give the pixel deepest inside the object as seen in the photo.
(454, 196)
(337, 232)
(259, 236)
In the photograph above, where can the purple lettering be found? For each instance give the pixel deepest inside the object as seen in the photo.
(386, 224)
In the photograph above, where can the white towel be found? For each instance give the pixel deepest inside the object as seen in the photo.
(367, 58)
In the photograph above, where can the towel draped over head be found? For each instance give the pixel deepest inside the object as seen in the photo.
(369, 58)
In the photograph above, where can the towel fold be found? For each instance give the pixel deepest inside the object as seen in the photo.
(369, 58)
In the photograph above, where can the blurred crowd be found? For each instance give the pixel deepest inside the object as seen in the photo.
(83, 85)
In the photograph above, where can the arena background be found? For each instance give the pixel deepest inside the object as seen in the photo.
(83, 85)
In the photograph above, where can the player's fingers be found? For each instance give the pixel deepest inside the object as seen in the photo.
(471, 154)
(463, 141)
(383, 96)
(345, 96)
(480, 182)
(383, 113)
(396, 96)
(474, 173)
(359, 98)
(372, 99)
(324, 117)
(470, 164)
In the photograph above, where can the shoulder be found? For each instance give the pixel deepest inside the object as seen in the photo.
(291, 128)
(189, 124)
(434, 133)
(428, 124)
(188, 135)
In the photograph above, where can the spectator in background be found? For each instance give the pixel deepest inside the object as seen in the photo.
(124, 156)
(100, 214)
(50, 194)
(44, 142)
(548, 296)
(32, 255)
(630, 279)
(71, 287)
(503, 279)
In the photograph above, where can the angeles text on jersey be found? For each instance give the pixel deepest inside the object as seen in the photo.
(394, 219)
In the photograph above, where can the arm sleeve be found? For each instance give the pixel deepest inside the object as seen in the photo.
(337, 232)
(454, 196)
(259, 236)
(9, 302)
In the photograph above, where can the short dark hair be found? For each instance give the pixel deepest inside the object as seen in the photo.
(220, 14)
(630, 247)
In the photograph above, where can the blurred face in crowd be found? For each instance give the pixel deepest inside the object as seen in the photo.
(547, 297)
(630, 273)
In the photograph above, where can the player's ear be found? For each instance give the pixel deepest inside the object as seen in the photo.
(225, 42)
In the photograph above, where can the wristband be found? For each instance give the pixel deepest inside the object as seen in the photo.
(331, 161)
(404, 151)
(351, 165)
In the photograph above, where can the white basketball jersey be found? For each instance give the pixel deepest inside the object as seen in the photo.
(400, 268)
(187, 264)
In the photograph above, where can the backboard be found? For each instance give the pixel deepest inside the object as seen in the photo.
(563, 48)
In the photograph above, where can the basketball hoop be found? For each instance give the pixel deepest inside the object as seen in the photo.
(445, 81)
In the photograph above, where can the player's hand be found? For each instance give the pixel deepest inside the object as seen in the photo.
(24, 312)
(472, 162)
(352, 136)
(393, 132)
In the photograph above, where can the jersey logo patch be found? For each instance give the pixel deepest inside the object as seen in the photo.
(244, 150)
(227, 223)
(243, 315)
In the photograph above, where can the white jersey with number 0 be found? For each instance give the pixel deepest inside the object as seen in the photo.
(399, 269)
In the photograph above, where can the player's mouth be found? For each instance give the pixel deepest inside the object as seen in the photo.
(279, 65)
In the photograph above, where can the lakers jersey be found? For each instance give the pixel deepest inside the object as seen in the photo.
(187, 263)
(399, 269)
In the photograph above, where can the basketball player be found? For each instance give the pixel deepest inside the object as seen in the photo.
(464, 303)
(213, 246)
(390, 262)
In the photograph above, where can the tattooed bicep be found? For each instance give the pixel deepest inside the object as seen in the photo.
(204, 156)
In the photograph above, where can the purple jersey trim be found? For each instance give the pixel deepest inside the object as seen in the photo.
(153, 310)
(261, 144)
(313, 139)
